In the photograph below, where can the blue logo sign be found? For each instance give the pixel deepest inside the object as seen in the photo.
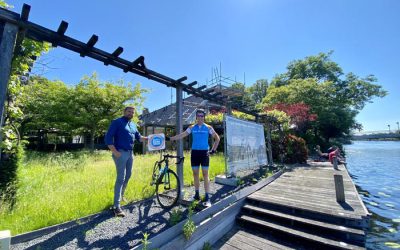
(156, 141)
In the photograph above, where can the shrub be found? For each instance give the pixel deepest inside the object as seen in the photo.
(294, 149)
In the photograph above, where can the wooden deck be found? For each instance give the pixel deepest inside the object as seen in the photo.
(313, 188)
(302, 204)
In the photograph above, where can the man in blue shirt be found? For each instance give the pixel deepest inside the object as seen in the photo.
(200, 152)
(120, 138)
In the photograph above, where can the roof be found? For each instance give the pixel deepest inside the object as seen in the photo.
(166, 116)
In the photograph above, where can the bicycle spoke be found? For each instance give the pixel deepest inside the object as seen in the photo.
(168, 189)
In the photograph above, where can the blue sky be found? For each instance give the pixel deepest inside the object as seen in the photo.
(252, 39)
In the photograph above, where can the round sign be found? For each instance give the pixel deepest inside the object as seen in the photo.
(156, 141)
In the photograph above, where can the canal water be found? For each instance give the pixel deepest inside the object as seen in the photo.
(375, 169)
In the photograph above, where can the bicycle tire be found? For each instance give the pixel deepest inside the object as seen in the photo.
(168, 193)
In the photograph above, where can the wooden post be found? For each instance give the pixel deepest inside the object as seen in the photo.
(8, 35)
(339, 187)
(179, 129)
(335, 162)
(269, 145)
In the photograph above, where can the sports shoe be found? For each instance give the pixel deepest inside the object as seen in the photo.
(207, 203)
(118, 212)
(194, 198)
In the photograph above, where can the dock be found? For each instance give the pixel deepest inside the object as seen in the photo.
(300, 210)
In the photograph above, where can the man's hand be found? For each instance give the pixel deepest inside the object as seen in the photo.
(211, 152)
(117, 154)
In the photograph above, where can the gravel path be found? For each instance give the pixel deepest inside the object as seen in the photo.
(108, 232)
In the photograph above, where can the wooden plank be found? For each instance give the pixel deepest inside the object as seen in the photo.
(323, 193)
(327, 198)
(297, 233)
(333, 205)
(309, 207)
(263, 240)
(305, 220)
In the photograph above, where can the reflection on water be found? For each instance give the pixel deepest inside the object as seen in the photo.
(375, 168)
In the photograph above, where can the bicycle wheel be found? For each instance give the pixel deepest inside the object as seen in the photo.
(168, 189)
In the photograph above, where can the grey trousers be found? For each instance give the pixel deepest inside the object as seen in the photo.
(123, 165)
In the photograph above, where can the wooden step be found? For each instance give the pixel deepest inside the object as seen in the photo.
(349, 233)
(314, 239)
(302, 208)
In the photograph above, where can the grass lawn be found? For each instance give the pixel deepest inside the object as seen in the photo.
(58, 187)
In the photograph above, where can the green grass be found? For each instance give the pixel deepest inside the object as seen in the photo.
(58, 187)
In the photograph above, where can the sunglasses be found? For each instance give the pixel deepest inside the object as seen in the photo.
(200, 115)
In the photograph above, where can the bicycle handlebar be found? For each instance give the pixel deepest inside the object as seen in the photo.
(180, 159)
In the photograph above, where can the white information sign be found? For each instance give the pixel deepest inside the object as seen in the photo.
(245, 145)
(156, 142)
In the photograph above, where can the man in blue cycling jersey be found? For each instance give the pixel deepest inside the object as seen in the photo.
(200, 152)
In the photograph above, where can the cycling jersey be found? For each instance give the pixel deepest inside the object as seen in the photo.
(200, 136)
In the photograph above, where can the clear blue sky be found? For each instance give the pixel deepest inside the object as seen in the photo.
(257, 38)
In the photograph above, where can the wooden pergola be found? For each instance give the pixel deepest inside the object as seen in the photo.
(15, 27)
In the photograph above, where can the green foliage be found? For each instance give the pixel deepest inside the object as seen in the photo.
(189, 228)
(145, 241)
(8, 177)
(207, 246)
(296, 149)
(176, 216)
(4, 5)
(320, 83)
(11, 140)
(86, 108)
(293, 148)
(218, 118)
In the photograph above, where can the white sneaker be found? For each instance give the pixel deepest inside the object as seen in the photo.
(207, 203)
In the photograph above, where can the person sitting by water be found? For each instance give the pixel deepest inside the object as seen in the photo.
(336, 153)
(320, 154)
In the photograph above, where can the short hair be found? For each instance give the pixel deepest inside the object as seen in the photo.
(200, 111)
(129, 107)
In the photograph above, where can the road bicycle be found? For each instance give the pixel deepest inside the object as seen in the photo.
(167, 182)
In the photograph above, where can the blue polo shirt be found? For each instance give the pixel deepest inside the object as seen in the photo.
(122, 134)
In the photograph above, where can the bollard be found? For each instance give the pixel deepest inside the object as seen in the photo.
(339, 188)
(5, 238)
(335, 163)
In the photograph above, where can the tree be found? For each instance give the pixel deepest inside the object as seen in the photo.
(86, 108)
(94, 104)
(320, 83)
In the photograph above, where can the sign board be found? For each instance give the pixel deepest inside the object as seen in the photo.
(156, 142)
(245, 147)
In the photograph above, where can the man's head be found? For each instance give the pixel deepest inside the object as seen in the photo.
(200, 115)
(129, 112)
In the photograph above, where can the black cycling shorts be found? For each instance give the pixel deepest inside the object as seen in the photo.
(199, 157)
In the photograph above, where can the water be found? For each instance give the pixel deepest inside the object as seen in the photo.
(375, 169)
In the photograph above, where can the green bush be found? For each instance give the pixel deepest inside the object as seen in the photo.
(8, 176)
(294, 149)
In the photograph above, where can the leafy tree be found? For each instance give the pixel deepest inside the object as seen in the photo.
(94, 104)
(257, 92)
(320, 83)
(86, 108)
